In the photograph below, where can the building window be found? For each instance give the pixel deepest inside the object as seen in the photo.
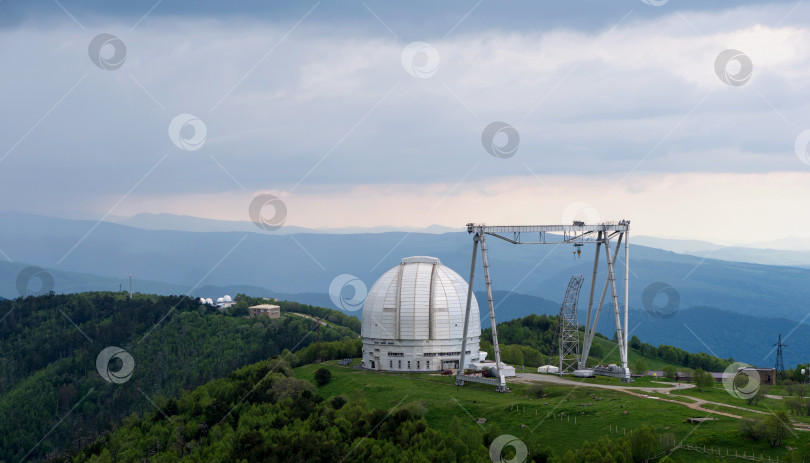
(409, 364)
(390, 364)
(427, 364)
(418, 366)
(399, 364)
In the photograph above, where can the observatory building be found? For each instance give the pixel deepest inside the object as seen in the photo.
(413, 319)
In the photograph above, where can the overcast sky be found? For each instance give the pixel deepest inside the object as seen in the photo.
(617, 110)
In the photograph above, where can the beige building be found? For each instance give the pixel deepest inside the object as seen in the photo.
(272, 311)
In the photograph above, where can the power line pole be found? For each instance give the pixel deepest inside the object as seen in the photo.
(780, 362)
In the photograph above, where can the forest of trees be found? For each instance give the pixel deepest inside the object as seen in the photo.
(531, 341)
(48, 364)
(263, 413)
(679, 356)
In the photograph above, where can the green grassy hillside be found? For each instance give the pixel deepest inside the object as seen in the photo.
(269, 412)
(564, 419)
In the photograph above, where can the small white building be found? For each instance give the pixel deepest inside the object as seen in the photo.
(506, 370)
(272, 311)
(548, 369)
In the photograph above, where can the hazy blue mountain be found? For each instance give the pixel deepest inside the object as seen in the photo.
(75, 282)
(726, 334)
(307, 263)
(795, 257)
(676, 245)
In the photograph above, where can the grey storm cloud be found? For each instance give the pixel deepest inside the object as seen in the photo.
(291, 98)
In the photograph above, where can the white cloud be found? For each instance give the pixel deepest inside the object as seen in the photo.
(588, 105)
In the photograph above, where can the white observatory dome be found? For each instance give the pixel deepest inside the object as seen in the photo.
(209, 301)
(201, 300)
(220, 300)
(413, 318)
(227, 298)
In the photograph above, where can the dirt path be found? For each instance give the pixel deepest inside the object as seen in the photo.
(697, 405)
(310, 317)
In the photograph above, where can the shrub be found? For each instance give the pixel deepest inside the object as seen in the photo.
(752, 428)
(322, 376)
(536, 390)
(703, 380)
(640, 367)
(777, 428)
(644, 443)
(796, 405)
(757, 397)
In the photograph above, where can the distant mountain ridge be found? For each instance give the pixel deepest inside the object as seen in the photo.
(754, 255)
(164, 221)
(308, 263)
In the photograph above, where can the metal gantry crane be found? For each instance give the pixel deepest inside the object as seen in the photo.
(578, 234)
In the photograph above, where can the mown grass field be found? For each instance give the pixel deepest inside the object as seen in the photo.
(563, 420)
(719, 394)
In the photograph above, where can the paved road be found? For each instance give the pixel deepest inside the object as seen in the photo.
(531, 377)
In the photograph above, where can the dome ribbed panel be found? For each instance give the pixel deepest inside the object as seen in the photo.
(415, 300)
(377, 321)
(449, 304)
